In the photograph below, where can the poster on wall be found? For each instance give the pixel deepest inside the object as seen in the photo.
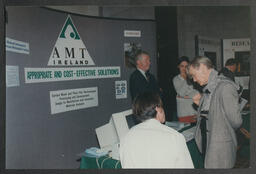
(16, 46)
(69, 49)
(132, 33)
(73, 99)
(130, 50)
(38, 75)
(12, 76)
(121, 89)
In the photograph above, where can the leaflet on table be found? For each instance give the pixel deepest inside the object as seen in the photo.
(189, 134)
(176, 125)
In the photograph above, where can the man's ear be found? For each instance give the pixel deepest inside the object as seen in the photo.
(157, 109)
(159, 116)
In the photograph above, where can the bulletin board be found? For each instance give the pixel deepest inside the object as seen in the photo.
(65, 76)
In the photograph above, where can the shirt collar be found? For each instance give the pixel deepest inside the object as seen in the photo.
(153, 120)
(180, 77)
(142, 72)
(212, 82)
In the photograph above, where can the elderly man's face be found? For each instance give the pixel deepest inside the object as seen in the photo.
(144, 62)
(200, 75)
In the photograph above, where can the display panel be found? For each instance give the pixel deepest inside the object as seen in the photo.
(65, 68)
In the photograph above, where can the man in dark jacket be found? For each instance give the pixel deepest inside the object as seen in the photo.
(229, 69)
(141, 80)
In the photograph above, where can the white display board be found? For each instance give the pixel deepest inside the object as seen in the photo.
(12, 76)
(38, 75)
(73, 99)
(16, 46)
(230, 46)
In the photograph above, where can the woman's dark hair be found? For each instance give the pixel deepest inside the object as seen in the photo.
(183, 58)
(144, 105)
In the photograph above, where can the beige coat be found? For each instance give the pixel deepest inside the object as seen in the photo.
(223, 118)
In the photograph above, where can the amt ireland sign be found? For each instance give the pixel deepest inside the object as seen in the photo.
(69, 49)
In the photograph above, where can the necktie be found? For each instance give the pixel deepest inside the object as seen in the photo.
(147, 75)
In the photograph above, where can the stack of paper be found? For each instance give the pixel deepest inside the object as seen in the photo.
(176, 125)
(189, 134)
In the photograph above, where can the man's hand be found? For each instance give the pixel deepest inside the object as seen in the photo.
(245, 132)
(194, 118)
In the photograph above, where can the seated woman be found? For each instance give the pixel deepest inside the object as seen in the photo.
(152, 144)
(185, 93)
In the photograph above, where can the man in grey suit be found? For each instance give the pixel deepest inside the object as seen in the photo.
(218, 115)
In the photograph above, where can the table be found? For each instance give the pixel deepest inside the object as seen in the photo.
(108, 163)
(104, 162)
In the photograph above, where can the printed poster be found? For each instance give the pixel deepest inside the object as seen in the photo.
(121, 89)
(73, 99)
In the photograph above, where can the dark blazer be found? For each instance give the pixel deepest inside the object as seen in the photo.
(139, 84)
